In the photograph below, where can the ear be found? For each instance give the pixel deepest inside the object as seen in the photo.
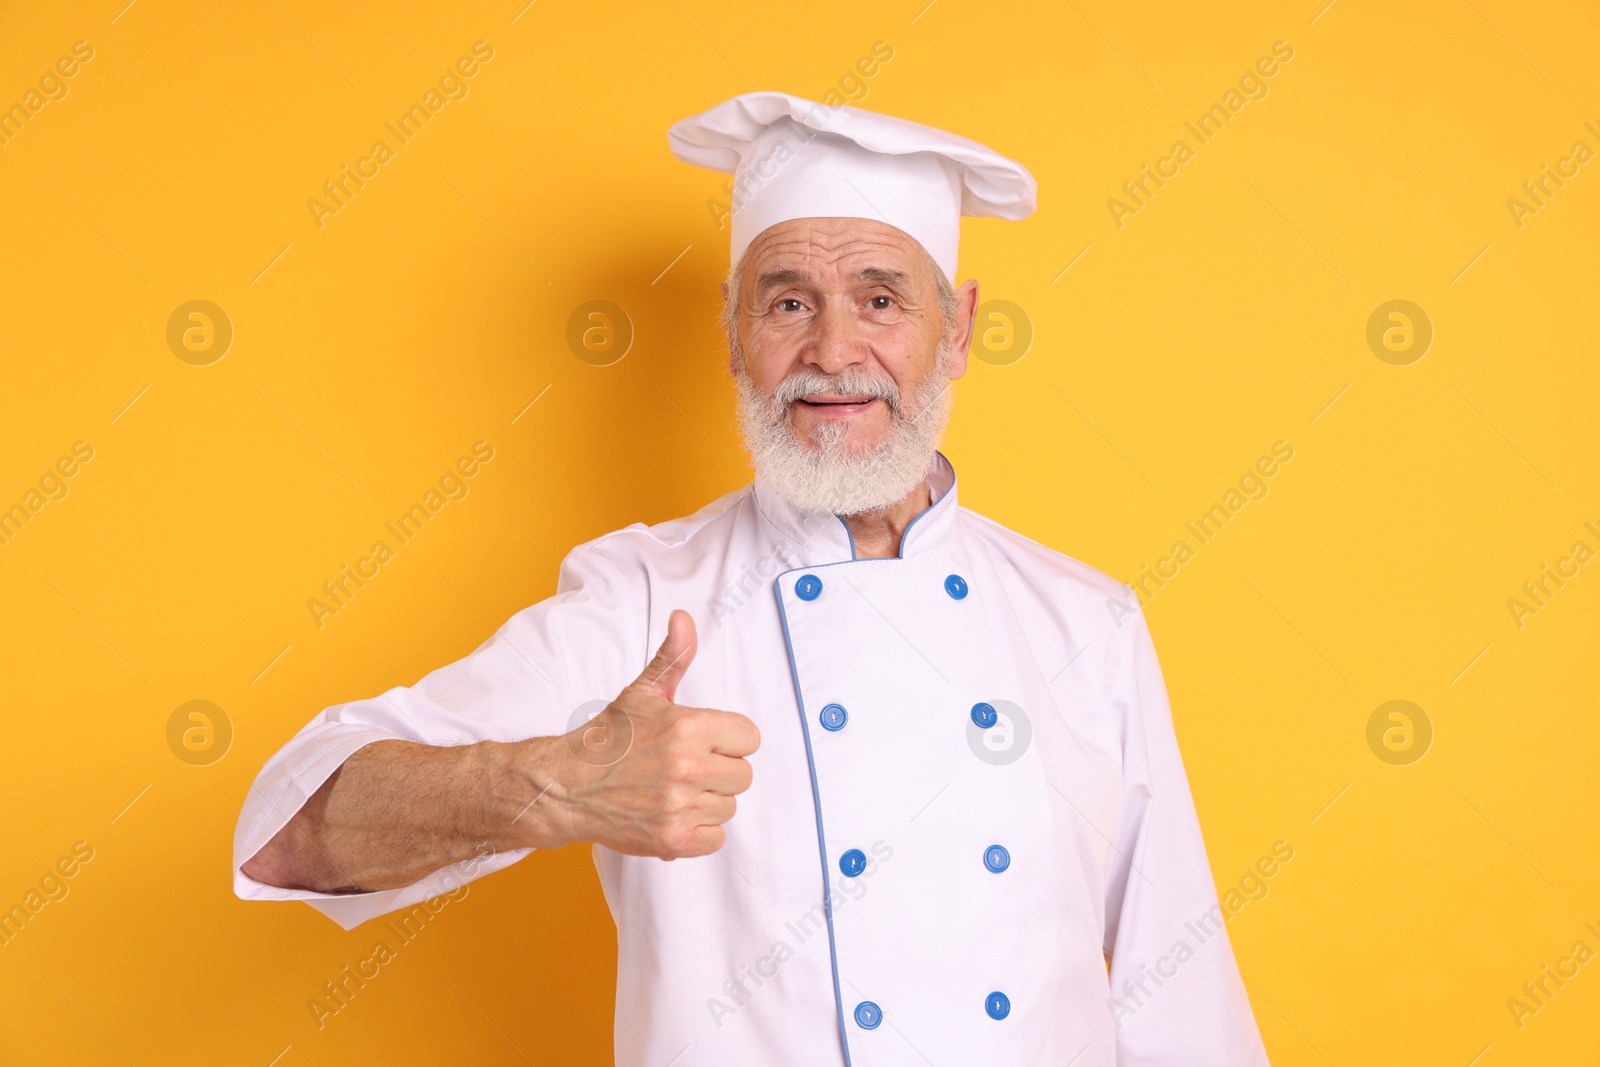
(966, 314)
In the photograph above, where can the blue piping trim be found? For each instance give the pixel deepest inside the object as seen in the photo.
(816, 798)
(905, 535)
(811, 760)
(850, 535)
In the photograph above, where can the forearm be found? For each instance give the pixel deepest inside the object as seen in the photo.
(397, 811)
(646, 777)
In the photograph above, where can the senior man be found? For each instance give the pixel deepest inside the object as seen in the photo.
(963, 830)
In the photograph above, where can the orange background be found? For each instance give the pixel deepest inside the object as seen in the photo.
(1228, 313)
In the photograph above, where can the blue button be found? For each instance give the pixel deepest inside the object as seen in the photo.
(998, 1005)
(833, 717)
(809, 587)
(868, 1015)
(984, 715)
(956, 586)
(996, 858)
(852, 863)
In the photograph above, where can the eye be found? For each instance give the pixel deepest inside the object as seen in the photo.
(789, 300)
(887, 300)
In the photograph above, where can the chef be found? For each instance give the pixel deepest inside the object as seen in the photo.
(870, 779)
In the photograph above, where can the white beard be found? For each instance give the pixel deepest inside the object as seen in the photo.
(834, 476)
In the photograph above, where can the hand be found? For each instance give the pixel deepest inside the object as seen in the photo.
(651, 777)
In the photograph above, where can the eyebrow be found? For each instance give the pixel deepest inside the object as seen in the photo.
(774, 279)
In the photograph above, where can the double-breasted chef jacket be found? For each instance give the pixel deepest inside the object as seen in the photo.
(968, 798)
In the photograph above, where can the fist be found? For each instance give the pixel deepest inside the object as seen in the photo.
(652, 777)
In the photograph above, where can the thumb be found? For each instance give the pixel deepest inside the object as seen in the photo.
(672, 660)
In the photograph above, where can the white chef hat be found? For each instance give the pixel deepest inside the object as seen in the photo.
(793, 158)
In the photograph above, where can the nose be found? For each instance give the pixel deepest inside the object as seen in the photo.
(834, 343)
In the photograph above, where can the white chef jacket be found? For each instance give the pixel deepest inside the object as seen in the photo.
(968, 797)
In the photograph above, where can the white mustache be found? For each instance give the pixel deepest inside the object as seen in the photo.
(852, 382)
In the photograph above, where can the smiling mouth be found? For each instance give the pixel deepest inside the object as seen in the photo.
(839, 402)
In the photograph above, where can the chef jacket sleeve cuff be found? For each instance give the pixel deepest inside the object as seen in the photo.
(281, 791)
(350, 910)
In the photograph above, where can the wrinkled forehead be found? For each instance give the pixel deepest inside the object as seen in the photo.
(833, 251)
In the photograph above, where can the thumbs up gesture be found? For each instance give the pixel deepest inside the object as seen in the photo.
(649, 776)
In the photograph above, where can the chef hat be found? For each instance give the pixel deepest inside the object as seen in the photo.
(793, 159)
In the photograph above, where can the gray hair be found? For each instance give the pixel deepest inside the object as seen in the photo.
(735, 279)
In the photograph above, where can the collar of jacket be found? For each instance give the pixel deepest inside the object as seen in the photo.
(814, 538)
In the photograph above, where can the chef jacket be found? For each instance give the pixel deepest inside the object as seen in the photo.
(969, 837)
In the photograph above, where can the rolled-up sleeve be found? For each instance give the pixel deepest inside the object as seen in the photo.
(1176, 992)
(527, 680)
